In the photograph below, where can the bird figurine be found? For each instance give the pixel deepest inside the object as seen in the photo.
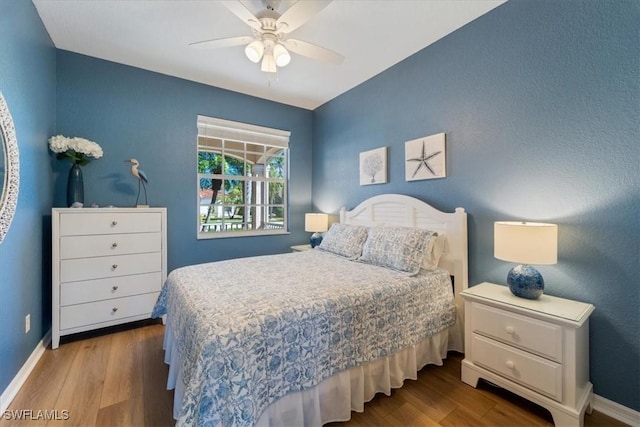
(141, 177)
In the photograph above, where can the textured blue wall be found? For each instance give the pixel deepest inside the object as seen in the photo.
(27, 82)
(540, 103)
(152, 117)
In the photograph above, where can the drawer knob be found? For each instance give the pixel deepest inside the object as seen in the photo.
(115, 288)
(114, 266)
(114, 245)
(510, 364)
(114, 223)
(114, 309)
(510, 330)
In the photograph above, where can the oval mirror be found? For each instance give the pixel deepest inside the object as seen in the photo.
(9, 168)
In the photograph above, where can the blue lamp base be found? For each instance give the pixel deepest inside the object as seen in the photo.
(316, 239)
(525, 282)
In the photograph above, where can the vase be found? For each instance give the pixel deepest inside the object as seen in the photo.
(75, 186)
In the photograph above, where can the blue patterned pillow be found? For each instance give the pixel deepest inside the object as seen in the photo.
(398, 248)
(345, 240)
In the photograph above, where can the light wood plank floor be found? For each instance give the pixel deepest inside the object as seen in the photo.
(119, 379)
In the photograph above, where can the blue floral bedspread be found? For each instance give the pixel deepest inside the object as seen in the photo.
(249, 331)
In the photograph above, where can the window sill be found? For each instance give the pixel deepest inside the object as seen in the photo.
(226, 234)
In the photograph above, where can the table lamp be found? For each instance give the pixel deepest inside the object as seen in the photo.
(316, 223)
(526, 243)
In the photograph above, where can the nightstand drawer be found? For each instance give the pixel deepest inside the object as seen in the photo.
(542, 338)
(534, 372)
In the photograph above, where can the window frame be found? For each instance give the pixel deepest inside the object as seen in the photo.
(245, 134)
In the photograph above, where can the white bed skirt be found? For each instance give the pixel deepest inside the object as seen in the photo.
(334, 398)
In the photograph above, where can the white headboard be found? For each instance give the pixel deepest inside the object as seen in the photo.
(398, 209)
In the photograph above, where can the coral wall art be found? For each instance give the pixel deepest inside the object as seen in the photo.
(373, 166)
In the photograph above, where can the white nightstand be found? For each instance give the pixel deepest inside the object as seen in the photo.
(538, 349)
(300, 248)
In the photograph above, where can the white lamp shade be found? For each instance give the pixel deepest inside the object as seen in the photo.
(316, 222)
(254, 51)
(526, 242)
(281, 55)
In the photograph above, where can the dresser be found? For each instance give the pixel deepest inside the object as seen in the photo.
(108, 265)
(538, 349)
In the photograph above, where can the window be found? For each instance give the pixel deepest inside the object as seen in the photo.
(242, 179)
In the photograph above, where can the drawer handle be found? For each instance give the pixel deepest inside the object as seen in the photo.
(510, 364)
(114, 223)
(510, 330)
(114, 245)
(115, 288)
(114, 309)
(114, 266)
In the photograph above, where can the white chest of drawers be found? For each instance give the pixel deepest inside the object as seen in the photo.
(538, 349)
(108, 265)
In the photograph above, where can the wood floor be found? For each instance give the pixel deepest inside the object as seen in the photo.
(119, 379)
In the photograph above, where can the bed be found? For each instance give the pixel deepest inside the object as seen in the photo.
(305, 338)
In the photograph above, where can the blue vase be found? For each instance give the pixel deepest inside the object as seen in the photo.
(315, 240)
(75, 186)
(525, 282)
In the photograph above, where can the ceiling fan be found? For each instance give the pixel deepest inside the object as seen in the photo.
(270, 42)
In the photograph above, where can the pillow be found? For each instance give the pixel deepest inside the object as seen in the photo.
(345, 240)
(435, 248)
(398, 248)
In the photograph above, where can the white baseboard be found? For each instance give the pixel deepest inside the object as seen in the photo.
(14, 386)
(616, 410)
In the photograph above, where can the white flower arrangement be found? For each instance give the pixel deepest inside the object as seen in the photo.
(78, 150)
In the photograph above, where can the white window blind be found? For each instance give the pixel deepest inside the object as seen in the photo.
(226, 129)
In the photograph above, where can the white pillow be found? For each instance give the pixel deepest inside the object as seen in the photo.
(435, 248)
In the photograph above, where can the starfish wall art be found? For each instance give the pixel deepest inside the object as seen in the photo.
(425, 158)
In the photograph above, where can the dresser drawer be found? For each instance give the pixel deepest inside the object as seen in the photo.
(102, 289)
(109, 244)
(542, 338)
(72, 270)
(84, 223)
(532, 371)
(74, 316)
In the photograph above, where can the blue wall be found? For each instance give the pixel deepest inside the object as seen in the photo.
(27, 82)
(540, 104)
(152, 117)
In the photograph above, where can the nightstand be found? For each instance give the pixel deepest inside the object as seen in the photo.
(300, 248)
(538, 349)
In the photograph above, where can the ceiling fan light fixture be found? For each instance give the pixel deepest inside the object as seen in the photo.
(282, 56)
(254, 51)
(268, 63)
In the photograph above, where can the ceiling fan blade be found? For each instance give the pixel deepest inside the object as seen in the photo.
(313, 51)
(241, 11)
(299, 13)
(219, 43)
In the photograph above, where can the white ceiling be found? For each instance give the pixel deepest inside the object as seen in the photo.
(373, 35)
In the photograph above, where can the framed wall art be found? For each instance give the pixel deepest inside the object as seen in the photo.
(373, 166)
(425, 158)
